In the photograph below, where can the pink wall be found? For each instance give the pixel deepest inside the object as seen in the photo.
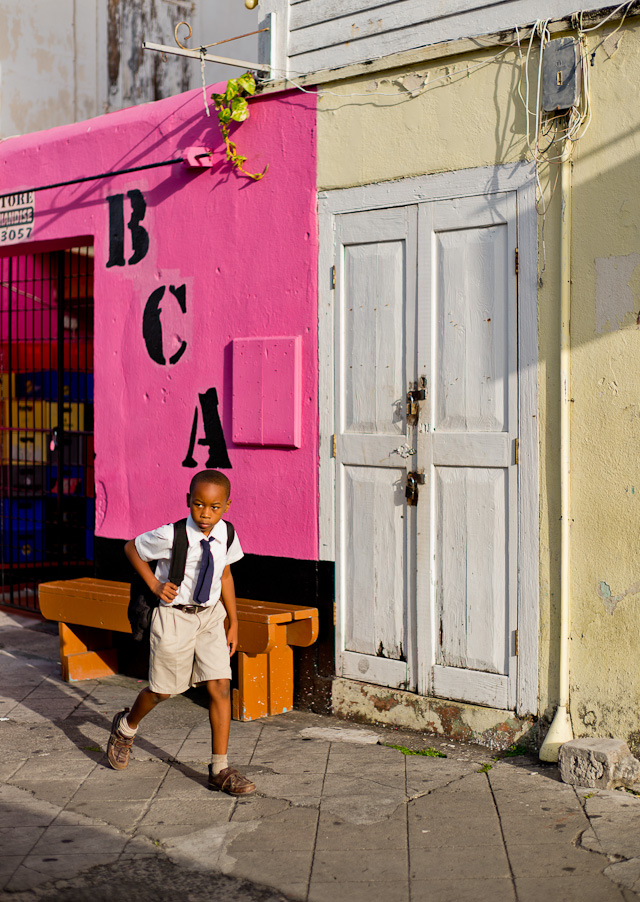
(241, 256)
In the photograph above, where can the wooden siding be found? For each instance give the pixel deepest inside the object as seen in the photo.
(313, 35)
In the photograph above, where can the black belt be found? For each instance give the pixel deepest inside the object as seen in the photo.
(190, 608)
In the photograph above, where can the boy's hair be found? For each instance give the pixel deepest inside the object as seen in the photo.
(213, 477)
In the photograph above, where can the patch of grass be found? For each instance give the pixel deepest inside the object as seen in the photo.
(589, 795)
(429, 753)
(91, 748)
(484, 768)
(515, 751)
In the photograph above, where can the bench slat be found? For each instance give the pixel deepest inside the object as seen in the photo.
(103, 604)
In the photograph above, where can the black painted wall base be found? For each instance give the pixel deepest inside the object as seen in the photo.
(283, 580)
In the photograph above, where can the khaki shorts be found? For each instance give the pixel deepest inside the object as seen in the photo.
(187, 649)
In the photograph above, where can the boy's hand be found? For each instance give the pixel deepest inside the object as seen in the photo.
(166, 592)
(232, 638)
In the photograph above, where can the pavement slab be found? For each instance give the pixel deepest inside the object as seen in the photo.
(337, 834)
(390, 891)
(591, 888)
(489, 889)
(338, 813)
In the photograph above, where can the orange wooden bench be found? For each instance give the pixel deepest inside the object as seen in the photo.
(89, 610)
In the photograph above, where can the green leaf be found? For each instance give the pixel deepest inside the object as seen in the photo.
(247, 83)
(218, 99)
(484, 768)
(232, 90)
(224, 115)
(239, 109)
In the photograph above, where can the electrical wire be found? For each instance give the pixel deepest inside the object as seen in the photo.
(427, 84)
(627, 3)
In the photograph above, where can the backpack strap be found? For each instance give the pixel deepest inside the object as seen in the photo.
(179, 552)
(231, 534)
(181, 546)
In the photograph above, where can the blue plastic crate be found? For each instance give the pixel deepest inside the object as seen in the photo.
(24, 548)
(26, 514)
(43, 386)
(72, 480)
(22, 530)
(78, 386)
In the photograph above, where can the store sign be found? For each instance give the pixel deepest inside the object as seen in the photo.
(17, 213)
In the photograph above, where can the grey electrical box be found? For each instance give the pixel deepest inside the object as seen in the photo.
(561, 79)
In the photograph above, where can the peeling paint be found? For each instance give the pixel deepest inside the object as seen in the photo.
(610, 601)
(384, 704)
(617, 292)
(494, 728)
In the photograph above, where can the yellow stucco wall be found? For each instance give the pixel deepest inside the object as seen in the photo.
(470, 115)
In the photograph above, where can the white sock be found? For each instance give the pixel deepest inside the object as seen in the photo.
(127, 731)
(218, 763)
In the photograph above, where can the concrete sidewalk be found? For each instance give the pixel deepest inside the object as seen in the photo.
(338, 815)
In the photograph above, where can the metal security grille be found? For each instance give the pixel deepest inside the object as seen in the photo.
(46, 421)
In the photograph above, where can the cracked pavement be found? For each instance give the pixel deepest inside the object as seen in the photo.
(338, 814)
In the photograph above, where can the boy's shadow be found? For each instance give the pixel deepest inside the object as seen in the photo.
(27, 646)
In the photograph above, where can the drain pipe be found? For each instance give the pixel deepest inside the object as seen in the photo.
(561, 730)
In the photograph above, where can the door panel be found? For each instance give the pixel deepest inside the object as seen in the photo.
(467, 440)
(375, 360)
(374, 507)
(471, 327)
(427, 593)
(373, 332)
(471, 506)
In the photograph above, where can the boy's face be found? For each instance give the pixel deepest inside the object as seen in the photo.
(207, 504)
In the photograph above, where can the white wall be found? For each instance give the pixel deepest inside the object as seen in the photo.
(63, 61)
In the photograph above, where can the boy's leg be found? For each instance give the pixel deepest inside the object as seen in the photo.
(219, 714)
(145, 702)
(125, 724)
(221, 776)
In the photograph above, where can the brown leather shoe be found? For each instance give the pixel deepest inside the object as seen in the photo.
(119, 746)
(231, 781)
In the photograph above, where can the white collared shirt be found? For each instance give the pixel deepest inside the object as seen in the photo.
(157, 545)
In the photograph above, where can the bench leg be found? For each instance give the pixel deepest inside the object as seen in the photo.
(250, 698)
(280, 667)
(86, 653)
(265, 684)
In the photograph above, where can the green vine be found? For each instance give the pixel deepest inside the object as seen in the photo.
(233, 107)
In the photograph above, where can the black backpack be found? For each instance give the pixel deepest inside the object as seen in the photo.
(142, 601)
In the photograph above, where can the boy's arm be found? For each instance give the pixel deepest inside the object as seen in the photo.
(165, 591)
(228, 593)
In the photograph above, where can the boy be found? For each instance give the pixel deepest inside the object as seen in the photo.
(188, 642)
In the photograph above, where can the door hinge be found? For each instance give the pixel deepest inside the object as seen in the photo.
(517, 261)
(516, 448)
(333, 446)
(333, 277)
(517, 641)
(335, 614)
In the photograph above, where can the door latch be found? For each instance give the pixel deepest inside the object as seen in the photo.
(414, 479)
(413, 396)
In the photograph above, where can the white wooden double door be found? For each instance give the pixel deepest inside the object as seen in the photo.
(425, 299)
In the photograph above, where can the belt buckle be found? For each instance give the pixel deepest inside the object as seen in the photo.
(190, 608)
